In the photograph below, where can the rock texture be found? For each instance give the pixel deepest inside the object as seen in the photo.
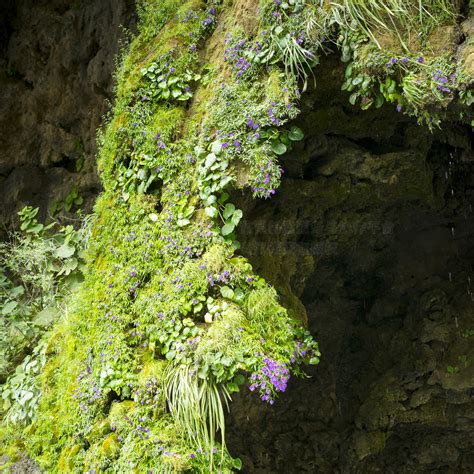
(56, 72)
(372, 231)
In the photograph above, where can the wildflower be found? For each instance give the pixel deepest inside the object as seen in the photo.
(399, 108)
(420, 59)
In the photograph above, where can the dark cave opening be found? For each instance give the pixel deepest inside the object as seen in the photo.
(370, 238)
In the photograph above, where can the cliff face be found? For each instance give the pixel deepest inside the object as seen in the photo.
(372, 231)
(56, 72)
(370, 235)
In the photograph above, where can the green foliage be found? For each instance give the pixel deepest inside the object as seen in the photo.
(402, 18)
(164, 83)
(198, 406)
(40, 266)
(21, 392)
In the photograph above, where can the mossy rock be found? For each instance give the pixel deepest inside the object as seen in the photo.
(99, 430)
(66, 460)
(118, 411)
(111, 446)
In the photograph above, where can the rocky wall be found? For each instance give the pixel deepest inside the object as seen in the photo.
(372, 232)
(56, 73)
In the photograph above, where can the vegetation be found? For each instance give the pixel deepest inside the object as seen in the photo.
(170, 320)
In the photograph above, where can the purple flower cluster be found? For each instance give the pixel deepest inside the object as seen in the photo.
(211, 17)
(235, 55)
(267, 179)
(443, 82)
(272, 378)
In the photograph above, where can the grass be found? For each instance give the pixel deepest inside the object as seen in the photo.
(404, 18)
(198, 407)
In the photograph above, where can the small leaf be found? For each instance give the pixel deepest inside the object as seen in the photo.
(279, 148)
(223, 198)
(232, 387)
(239, 379)
(227, 292)
(237, 216)
(9, 307)
(228, 229)
(228, 210)
(45, 317)
(216, 147)
(296, 134)
(65, 251)
(211, 211)
(210, 160)
(170, 355)
(183, 222)
(353, 98)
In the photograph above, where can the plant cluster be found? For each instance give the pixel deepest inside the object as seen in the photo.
(40, 265)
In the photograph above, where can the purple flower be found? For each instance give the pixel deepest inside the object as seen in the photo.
(399, 107)
(420, 59)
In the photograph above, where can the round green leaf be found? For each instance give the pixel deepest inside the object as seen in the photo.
(228, 229)
(228, 210)
(279, 148)
(296, 134)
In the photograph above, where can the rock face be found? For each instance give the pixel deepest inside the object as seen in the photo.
(56, 70)
(372, 231)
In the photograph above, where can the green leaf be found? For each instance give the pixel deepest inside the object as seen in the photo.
(237, 216)
(65, 251)
(227, 229)
(232, 387)
(237, 463)
(216, 147)
(183, 222)
(210, 160)
(45, 317)
(223, 198)
(227, 292)
(203, 371)
(17, 291)
(239, 379)
(279, 148)
(357, 80)
(210, 200)
(170, 355)
(379, 100)
(228, 210)
(9, 307)
(296, 134)
(211, 211)
(353, 98)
